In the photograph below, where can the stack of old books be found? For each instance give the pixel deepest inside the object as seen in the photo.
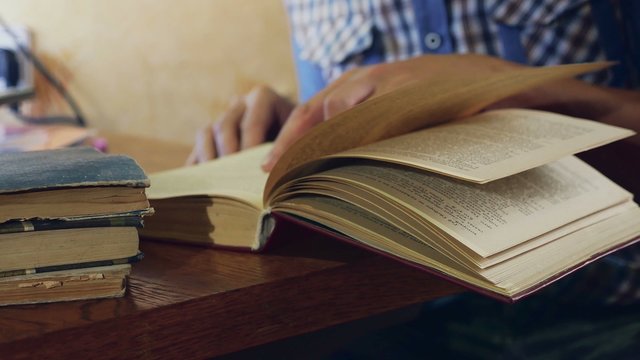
(68, 224)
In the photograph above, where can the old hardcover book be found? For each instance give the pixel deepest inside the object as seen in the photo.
(37, 243)
(69, 222)
(73, 182)
(72, 266)
(34, 249)
(65, 285)
(132, 218)
(494, 201)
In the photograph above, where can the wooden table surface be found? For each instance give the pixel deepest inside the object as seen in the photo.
(190, 302)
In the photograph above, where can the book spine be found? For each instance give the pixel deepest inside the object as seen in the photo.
(40, 224)
(90, 264)
(266, 227)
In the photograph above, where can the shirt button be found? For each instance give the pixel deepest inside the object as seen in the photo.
(433, 40)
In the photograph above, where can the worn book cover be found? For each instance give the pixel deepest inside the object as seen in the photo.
(66, 168)
(65, 285)
(73, 266)
(69, 183)
(132, 219)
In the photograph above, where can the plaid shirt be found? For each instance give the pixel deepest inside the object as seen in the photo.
(331, 36)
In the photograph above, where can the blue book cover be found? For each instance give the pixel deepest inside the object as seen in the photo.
(67, 168)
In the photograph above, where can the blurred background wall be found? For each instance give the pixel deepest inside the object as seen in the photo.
(156, 68)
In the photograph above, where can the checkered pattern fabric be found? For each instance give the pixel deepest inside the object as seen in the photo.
(334, 34)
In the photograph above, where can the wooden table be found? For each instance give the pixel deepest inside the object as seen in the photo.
(189, 302)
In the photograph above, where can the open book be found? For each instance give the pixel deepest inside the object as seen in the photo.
(494, 201)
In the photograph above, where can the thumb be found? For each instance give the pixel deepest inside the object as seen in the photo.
(340, 96)
(348, 95)
(302, 119)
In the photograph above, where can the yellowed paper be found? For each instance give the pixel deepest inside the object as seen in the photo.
(409, 109)
(511, 277)
(236, 176)
(493, 217)
(492, 145)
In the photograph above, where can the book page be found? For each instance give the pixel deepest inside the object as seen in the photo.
(235, 176)
(413, 107)
(492, 145)
(497, 216)
(373, 231)
(514, 277)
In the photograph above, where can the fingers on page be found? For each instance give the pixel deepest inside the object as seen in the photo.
(348, 95)
(204, 148)
(259, 116)
(302, 119)
(226, 129)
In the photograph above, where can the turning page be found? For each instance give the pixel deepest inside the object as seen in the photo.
(410, 108)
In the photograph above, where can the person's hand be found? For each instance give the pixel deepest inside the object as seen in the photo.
(580, 99)
(360, 84)
(248, 121)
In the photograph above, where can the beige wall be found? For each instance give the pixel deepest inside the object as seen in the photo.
(160, 68)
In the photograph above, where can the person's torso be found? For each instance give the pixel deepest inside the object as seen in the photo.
(331, 36)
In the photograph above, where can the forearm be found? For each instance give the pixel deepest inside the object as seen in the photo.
(624, 108)
(608, 105)
(577, 98)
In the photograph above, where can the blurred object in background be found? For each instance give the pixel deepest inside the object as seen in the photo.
(16, 135)
(19, 63)
(16, 72)
(48, 100)
(27, 125)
